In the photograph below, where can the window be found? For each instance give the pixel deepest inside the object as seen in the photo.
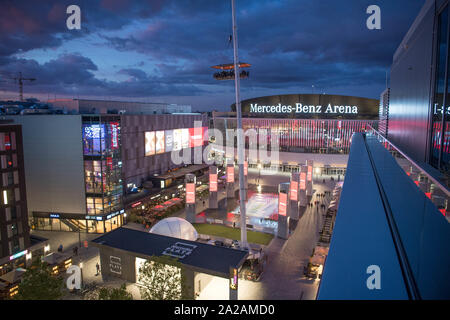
(9, 161)
(15, 245)
(14, 229)
(440, 91)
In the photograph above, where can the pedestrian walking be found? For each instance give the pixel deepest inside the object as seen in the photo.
(97, 266)
(75, 250)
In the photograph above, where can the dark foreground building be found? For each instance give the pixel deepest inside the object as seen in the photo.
(17, 247)
(419, 110)
(392, 229)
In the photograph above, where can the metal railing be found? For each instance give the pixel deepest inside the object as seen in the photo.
(432, 187)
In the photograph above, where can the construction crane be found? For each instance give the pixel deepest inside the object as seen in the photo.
(17, 78)
(20, 79)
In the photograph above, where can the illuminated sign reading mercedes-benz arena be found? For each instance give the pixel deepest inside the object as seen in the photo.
(300, 108)
(311, 106)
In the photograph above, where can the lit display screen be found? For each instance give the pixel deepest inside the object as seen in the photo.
(184, 138)
(190, 193)
(230, 174)
(114, 135)
(310, 168)
(177, 139)
(94, 131)
(150, 143)
(195, 137)
(157, 142)
(302, 181)
(94, 139)
(213, 182)
(169, 140)
(294, 191)
(282, 201)
(160, 142)
(233, 278)
(245, 168)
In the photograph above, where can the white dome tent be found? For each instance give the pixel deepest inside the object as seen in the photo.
(176, 228)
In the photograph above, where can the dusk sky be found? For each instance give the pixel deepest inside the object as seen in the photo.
(162, 50)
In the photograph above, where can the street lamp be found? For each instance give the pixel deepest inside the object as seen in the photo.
(240, 137)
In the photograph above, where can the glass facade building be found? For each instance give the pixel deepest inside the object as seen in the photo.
(102, 176)
(440, 131)
(419, 104)
(103, 167)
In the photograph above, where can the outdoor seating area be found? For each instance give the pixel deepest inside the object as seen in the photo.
(316, 262)
(152, 215)
(9, 283)
(58, 262)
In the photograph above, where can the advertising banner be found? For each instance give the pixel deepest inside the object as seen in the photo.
(195, 137)
(114, 135)
(190, 193)
(310, 169)
(282, 204)
(169, 140)
(177, 139)
(184, 138)
(230, 174)
(302, 181)
(160, 142)
(245, 168)
(149, 143)
(213, 182)
(233, 279)
(294, 191)
(205, 135)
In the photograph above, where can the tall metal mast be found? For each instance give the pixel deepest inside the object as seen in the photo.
(240, 138)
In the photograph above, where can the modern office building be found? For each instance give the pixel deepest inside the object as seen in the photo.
(86, 106)
(419, 86)
(16, 244)
(78, 167)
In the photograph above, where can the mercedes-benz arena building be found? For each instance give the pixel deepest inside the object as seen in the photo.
(313, 124)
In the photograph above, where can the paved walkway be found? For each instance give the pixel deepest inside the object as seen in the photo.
(283, 275)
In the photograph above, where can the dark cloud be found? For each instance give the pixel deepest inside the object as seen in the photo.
(74, 74)
(290, 44)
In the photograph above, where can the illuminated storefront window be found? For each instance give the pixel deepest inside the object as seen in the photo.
(102, 164)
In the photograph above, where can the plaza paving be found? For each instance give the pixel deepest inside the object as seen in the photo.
(282, 277)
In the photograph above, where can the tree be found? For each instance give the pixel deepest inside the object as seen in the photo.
(161, 278)
(114, 293)
(38, 283)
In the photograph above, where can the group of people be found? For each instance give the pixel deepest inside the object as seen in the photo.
(229, 74)
(320, 202)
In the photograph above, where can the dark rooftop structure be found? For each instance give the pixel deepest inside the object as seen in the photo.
(199, 256)
(384, 219)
